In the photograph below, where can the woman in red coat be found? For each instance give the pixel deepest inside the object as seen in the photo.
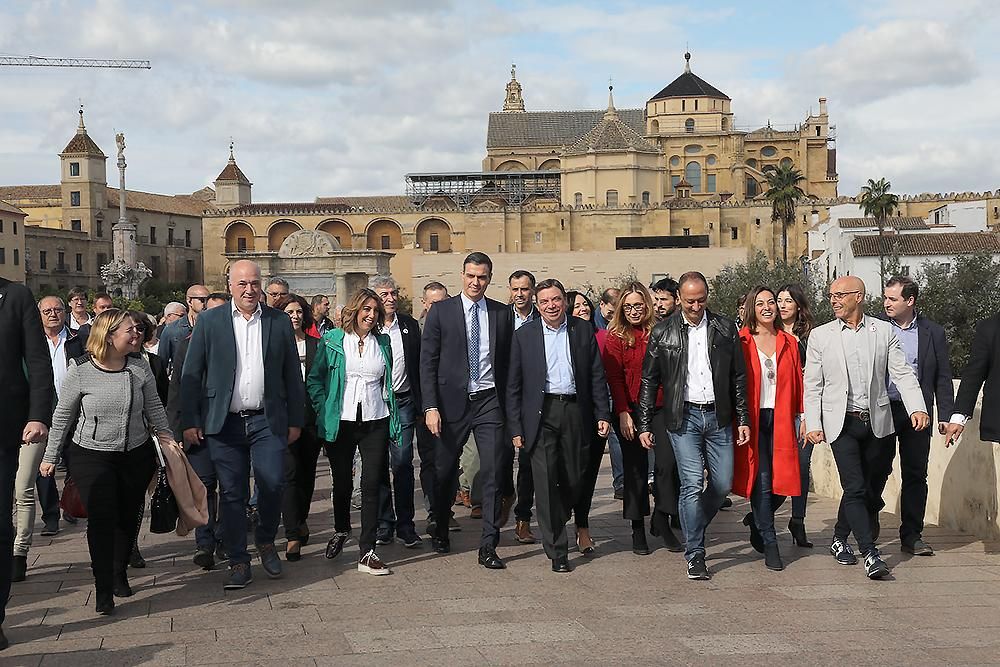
(766, 470)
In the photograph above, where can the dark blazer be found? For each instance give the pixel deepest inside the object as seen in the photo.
(210, 371)
(666, 364)
(74, 347)
(27, 392)
(983, 368)
(410, 332)
(444, 356)
(934, 369)
(528, 372)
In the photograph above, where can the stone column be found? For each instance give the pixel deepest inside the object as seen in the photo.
(340, 285)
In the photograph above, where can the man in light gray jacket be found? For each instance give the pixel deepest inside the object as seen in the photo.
(847, 405)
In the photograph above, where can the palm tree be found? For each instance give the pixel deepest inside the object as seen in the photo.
(877, 202)
(784, 192)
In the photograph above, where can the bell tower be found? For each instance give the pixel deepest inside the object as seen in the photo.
(514, 101)
(83, 182)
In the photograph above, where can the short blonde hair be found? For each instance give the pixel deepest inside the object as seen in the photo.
(104, 325)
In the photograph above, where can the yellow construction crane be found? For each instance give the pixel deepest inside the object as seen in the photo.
(40, 61)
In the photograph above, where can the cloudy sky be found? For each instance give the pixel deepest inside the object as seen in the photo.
(341, 97)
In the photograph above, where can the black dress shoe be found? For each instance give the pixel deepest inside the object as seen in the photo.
(19, 568)
(772, 558)
(727, 502)
(489, 559)
(335, 545)
(105, 604)
(4, 642)
(917, 548)
(561, 565)
(756, 541)
(441, 545)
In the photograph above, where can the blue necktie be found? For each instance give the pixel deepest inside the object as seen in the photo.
(474, 344)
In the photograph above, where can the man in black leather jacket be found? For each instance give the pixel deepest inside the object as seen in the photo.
(696, 356)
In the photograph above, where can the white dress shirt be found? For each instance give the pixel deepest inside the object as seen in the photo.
(248, 385)
(365, 370)
(485, 380)
(559, 364)
(57, 355)
(699, 387)
(768, 387)
(400, 380)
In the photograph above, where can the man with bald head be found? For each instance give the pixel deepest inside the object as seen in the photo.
(847, 405)
(242, 394)
(178, 330)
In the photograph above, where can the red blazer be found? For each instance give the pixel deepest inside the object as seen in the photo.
(623, 368)
(786, 480)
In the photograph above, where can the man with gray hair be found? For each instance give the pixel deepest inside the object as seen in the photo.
(404, 335)
(277, 290)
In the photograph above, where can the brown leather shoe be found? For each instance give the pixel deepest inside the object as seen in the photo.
(466, 497)
(522, 532)
(476, 513)
(505, 507)
(459, 499)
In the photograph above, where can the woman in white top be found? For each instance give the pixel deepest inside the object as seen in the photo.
(350, 387)
(766, 469)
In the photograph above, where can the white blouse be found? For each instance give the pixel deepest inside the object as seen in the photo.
(768, 386)
(365, 371)
(300, 346)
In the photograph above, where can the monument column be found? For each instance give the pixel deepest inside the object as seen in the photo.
(340, 284)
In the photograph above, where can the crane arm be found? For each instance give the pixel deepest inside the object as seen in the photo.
(39, 61)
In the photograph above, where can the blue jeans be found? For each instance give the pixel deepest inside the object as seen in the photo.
(231, 450)
(617, 468)
(401, 464)
(207, 536)
(805, 463)
(763, 501)
(700, 444)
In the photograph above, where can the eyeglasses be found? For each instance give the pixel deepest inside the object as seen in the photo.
(769, 365)
(203, 299)
(633, 307)
(839, 296)
(275, 295)
(53, 311)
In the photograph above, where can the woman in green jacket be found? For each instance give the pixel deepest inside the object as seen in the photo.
(350, 386)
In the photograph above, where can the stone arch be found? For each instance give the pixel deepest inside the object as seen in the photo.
(511, 165)
(384, 234)
(654, 127)
(552, 164)
(239, 237)
(279, 231)
(339, 230)
(434, 235)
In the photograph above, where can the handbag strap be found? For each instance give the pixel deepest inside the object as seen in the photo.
(159, 452)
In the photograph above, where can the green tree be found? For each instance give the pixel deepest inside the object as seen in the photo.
(783, 192)
(878, 202)
(734, 280)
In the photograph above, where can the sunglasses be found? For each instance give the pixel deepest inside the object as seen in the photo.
(769, 365)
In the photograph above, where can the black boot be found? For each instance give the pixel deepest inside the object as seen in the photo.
(772, 559)
(19, 568)
(120, 586)
(662, 523)
(756, 541)
(797, 528)
(135, 559)
(639, 545)
(105, 603)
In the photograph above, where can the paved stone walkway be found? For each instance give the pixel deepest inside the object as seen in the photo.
(614, 609)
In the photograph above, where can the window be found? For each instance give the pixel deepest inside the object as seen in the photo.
(79, 262)
(645, 198)
(692, 149)
(696, 105)
(711, 160)
(154, 264)
(13, 223)
(152, 235)
(76, 225)
(187, 238)
(768, 151)
(817, 130)
(674, 180)
(385, 242)
(786, 162)
(725, 124)
(1, 226)
(102, 259)
(905, 269)
(100, 229)
(17, 257)
(693, 175)
(60, 260)
(752, 163)
(3, 255)
(170, 235)
(189, 270)
(435, 243)
(74, 198)
(612, 198)
(578, 199)
(709, 182)
(734, 233)
(687, 231)
(538, 237)
(43, 259)
(751, 187)
(74, 168)
(241, 244)
(683, 105)
(689, 126)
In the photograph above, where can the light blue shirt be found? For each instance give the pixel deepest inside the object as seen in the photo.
(857, 354)
(521, 321)
(485, 380)
(559, 364)
(908, 338)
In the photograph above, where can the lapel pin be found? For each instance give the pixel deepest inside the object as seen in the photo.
(406, 331)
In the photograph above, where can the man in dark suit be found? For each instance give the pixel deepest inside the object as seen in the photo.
(464, 356)
(522, 311)
(926, 351)
(27, 395)
(557, 400)
(404, 336)
(983, 368)
(242, 391)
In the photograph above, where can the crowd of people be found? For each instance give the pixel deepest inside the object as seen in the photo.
(690, 404)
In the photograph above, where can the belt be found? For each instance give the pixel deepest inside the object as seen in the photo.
(247, 413)
(566, 398)
(863, 415)
(482, 394)
(704, 407)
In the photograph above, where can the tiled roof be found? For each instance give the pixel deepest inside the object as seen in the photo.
(232, 172)
(82, 143)
(10, 208)
(369, 202)
(611, 135)
(689, 85)
(892, 222)
(952, 243)
(21, 192)
(146, 201)
(551, 128)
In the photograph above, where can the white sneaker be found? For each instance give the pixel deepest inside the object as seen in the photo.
(370, 563)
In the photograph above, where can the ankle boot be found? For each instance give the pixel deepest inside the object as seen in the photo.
(105, 603)
(756, 541)
(639, 545)
(797, 528)
(121, 588)
(772, 558)
(662, 523)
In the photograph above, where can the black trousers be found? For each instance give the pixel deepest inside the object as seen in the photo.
(48, 497)
(9, 451)
(113, 489)
(857, 452)
(635, 469)
(372, 440)
(484, 418)
(427, 444)
(914, 449)
(588, 483)
(559, 464)
(300, 482)
(666, 479)
(525, 487)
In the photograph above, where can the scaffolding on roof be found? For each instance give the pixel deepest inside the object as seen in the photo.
(511, 187)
